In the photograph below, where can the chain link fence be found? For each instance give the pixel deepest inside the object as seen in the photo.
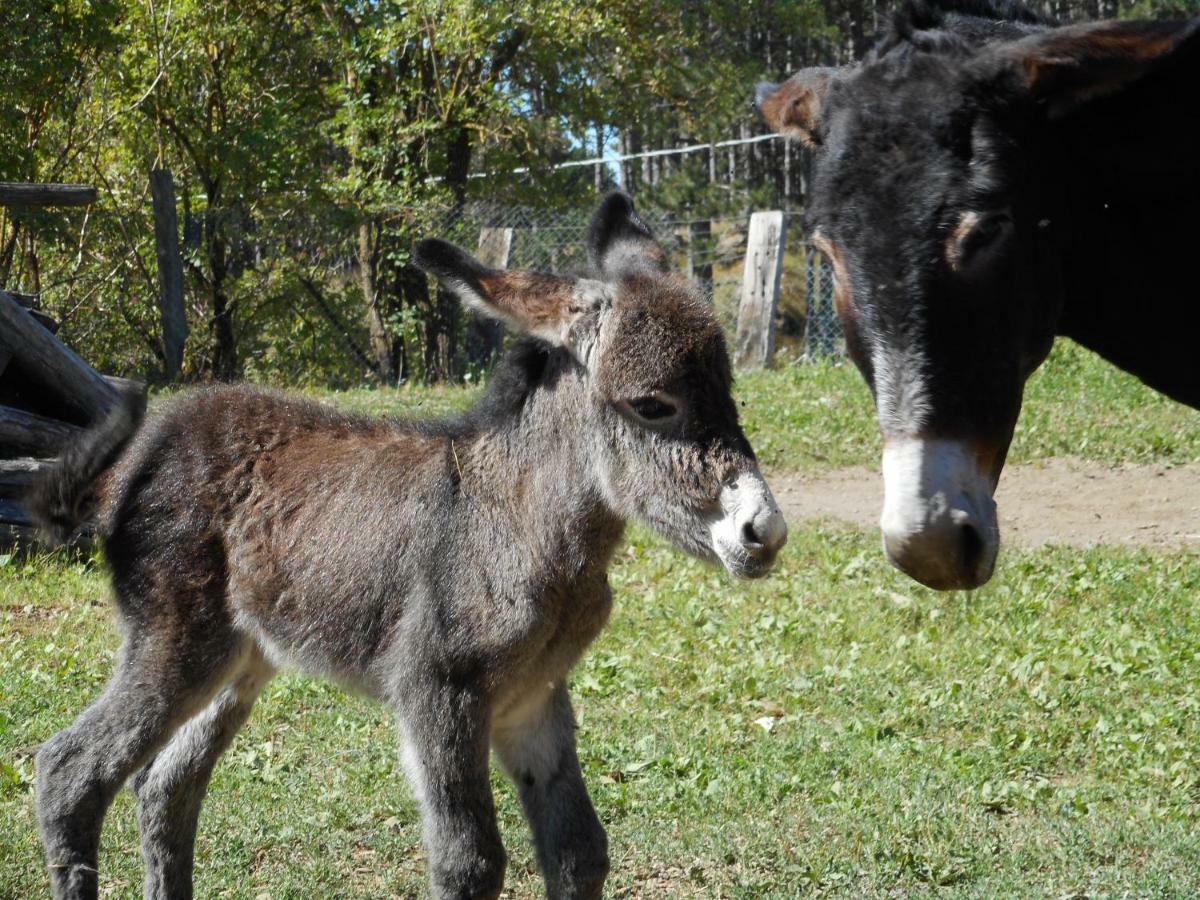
(294, 283)
(711, 251)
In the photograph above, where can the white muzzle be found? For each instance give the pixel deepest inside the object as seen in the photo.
(939, 518)
(750, 530)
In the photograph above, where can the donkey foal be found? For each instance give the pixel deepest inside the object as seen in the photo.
(455, 570)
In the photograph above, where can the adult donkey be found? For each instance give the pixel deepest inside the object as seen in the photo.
(455, 570)
(984, 181)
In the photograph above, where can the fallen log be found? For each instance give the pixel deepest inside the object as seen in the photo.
(28, 434)
(124, 385)
(13, 513)
(27, 302)
(16, 475)
(52, 364)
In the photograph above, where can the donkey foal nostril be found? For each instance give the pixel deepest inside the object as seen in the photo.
(750, 536)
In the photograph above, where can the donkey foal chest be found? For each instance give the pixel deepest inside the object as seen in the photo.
(543, 657)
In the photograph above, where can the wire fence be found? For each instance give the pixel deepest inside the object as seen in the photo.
(293, 280)
(711, 251)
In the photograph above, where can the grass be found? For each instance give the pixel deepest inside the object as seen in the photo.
(834, 729)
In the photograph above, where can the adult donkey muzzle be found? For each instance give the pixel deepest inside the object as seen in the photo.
(750, 530)
(939, 518)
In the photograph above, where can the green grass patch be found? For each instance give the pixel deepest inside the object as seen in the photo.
(832, 728)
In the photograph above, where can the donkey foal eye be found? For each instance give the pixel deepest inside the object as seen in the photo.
(652, 408)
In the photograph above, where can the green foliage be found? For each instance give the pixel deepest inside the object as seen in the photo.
(311, 144)
(47, 52)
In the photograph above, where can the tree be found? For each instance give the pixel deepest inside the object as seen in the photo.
(233, 91)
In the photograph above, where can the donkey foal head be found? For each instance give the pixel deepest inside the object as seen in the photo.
(662, 427)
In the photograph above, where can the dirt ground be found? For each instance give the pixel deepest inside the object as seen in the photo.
(1060, 501)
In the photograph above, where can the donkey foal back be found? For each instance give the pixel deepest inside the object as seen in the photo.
(454, 570)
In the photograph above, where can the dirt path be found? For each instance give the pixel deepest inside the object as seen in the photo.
(1061, 501)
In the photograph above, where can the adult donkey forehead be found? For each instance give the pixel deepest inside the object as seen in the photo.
(983, 181)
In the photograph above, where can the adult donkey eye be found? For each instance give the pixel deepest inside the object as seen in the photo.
(654, 408)
(988, 232)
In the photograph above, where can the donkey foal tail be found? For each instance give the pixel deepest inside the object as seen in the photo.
(63, 498)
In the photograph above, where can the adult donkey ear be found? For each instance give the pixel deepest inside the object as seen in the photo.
(551, 307)
(795, 107)
(620, 243)
(1066, 67)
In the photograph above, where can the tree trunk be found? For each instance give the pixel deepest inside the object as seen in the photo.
(381, 341)
(440, 337)
(223, 361)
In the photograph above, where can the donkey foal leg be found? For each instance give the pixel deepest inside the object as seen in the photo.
(81, 768)
(171, 788)
(445, 752)
(539, 755)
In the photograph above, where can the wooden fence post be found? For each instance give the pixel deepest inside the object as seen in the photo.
(170, 270)
(755, 343)
(494, 246)
(484, 336)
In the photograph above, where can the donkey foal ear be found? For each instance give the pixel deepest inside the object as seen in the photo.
(620, 243)
(547, 306)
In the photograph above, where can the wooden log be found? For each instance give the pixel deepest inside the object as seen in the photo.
(13, 513)
(52, 364)
(123, 385)
(16, 475)
(27, 301)
(170, 270)
(44, 320)
(755, 342)
(16, 193)
(27, 434)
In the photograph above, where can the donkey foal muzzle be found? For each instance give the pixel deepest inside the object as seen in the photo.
(751, 529)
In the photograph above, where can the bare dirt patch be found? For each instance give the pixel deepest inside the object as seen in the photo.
(1059, 501)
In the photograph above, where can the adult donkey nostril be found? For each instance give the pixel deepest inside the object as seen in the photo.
(971, 546)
